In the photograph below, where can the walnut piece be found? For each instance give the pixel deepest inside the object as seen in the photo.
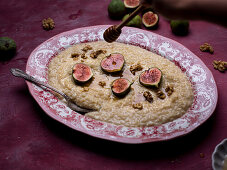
(137, 106)
(220, 65)
(102, 83)
(206, 48)
(75, 55)
(169, 90)
(86, 48)
(136, 67)
(160, 94)
(48, 24)
(83, 56)
(95, 54)
(148, 96)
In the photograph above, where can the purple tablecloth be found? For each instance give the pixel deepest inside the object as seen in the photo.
(29, 139)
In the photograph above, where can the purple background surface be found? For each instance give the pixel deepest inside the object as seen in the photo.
(29, 139)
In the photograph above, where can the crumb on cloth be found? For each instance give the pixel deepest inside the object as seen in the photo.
(201, 155)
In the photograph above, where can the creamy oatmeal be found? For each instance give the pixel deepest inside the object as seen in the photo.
(136, 108)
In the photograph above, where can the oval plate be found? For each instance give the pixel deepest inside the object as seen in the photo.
(205, 90)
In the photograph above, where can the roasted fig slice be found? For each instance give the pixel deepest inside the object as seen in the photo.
(151, 77)
(131, 3)
(120, 87)
(81, 73)
(150, 19)
(113, 63)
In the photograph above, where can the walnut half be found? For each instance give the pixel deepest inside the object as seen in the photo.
(48, 24)
(169, 90)
(206, 48)
(148, 96)
(220, 65)
(136, 67)
(86, 48)
(95, 54)
(160, 94)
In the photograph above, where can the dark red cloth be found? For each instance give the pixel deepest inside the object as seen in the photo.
(29, 139)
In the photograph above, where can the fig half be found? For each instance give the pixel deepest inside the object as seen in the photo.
(113, 63)
(120, 87)
(151, 77)
(150, 19)
(81, 73)
(131, 3)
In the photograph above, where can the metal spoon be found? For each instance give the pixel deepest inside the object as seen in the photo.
(19, 73)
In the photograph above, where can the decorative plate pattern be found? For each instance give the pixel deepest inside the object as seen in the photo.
(205, 90)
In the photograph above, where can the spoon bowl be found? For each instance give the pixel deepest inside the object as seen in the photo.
(19, 73)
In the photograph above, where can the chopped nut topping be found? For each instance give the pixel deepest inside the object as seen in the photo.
(136, 67)
(48, 24)
(85, 89)
(86, 48)
(83, 56)
(95, 54)
(220, 65)
(75, 55)
(82, 61)
(169, 90)
(137, 106)
(206, 48)
(102, 83)
(148, 96)
(161, 95)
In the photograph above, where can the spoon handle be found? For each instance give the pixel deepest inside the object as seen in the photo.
(19, 73)
(131, 16)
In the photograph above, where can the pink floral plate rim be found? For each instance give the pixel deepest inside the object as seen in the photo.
(205, 90)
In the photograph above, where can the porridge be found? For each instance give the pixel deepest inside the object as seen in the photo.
(141, 106)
